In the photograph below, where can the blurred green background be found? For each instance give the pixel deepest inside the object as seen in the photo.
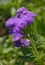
(35, 54)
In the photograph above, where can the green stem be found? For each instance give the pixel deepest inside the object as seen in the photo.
(34, 49)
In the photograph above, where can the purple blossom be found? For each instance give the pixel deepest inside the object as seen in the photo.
(25, 15)
(16, 24)
(19, 41)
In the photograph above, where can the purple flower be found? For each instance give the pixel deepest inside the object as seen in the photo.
(16, 24)
(25, 15)
(19, 41)
(17, 27)
(24, 11)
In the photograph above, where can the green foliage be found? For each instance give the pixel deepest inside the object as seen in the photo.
(11, 55)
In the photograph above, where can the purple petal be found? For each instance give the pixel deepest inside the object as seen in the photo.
(25, 42)
(16, 29)
(20, 23)
(20, 10)
(31, 14)
(17, 36)
(27, 19)
(10, 22)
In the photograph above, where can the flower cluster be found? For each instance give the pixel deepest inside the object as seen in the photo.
(18, 23)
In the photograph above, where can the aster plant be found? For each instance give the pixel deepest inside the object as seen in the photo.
(22, 39)
(16, 25)
(27, 46)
